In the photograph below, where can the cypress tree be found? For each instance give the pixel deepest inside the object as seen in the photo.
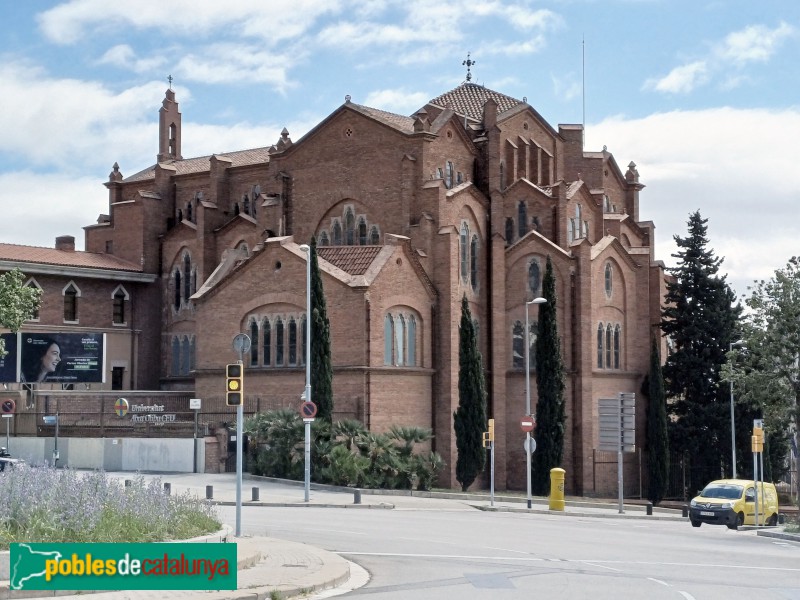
(550, 410)
(321, 369)
(657, 440)
(700, 318)
(470, 418)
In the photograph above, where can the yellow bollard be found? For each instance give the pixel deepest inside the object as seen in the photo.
(557, 488)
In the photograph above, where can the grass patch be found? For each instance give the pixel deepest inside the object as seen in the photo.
(47, 505)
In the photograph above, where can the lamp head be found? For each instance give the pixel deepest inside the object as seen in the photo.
(538, 301)
(305, 248)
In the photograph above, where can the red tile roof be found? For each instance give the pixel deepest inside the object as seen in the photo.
(469, 98)
(201, 164)
(354, 260)
(77, 258)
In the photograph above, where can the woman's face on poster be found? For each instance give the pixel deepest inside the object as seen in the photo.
(51, 358)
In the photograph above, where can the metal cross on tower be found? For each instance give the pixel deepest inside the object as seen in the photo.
(468, 64)
(170, 81)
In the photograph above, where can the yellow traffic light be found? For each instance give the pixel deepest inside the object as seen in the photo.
(491, 430)
(234, 384)
(487, 443)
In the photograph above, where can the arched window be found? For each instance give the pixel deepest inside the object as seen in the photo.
(292, 342)
(533, 333)
(236, 209)
(337, 234)
(177, 289)
(362, 232)
(609, 334)
(388, 336)
(399, 340)
(323, 239)
(187, 277)
(464, 241)
(600, 330)
(71, 295)
(502, 176)
(256, 194)
(267, 329)
(534, 277)
(176, 356)
(374, 236)
(31, 283)
(609, 282)
(189, 211)
(412, 341)
(518, 345)
(448, 175)
(350, 227)
(192, 354)
(509, 230)
(303, 339)
(616, 346)
(246, 204)
(473, 262)
(186, 356)
(118, 308)
(279, 342)
(522, 218)
(253, 343)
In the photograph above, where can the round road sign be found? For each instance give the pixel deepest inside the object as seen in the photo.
(527, 424)
(241, 343)
(8, 406)
(533, 445)
(308, 410)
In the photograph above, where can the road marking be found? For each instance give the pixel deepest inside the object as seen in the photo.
(659, 581)
(686, 595)
(443, 556)
(591, 564)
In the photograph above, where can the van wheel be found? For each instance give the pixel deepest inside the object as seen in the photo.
(696, 523)
(773, 520)
(739, 521)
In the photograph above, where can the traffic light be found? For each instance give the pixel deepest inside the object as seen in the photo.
(234, 384)
(486, 442)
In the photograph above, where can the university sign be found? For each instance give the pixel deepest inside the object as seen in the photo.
(174, 566)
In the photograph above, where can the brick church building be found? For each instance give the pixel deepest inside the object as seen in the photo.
(466, 197)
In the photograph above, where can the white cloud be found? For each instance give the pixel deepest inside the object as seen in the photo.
(567, 87)
(681, 80)
(735, 166)
(271, 21)
(123, 56)
(755, 43)
(399, 101)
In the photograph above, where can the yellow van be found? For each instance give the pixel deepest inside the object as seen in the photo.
(731, 502)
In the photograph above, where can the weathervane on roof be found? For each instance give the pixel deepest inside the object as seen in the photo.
(170, 81)
(468, 64)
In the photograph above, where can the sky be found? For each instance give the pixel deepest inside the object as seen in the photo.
(703, 96)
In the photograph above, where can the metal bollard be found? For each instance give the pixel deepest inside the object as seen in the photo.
(167, 488)
(128, 483)
(356, 496)
(649, 509)
(209, 492)
(685, 510)
(255, 494)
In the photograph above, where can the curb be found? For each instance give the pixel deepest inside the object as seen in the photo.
(562, 513)
(382, 505)
(780, 535)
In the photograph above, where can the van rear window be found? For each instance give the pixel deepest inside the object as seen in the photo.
(723, 492)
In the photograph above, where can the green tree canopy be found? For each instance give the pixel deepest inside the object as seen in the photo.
(551, 419)
(18, 302)
(657, 440)
(469, 419)
(700, 320)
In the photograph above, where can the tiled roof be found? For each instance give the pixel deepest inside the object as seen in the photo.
(469, 98)
(77, 258)
(354, 260)
(201, 163)
(400, 122)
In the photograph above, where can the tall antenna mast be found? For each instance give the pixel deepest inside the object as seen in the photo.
(583, 80)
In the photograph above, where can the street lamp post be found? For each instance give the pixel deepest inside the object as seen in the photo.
(307, 393)
(528, 392)
(733, 425)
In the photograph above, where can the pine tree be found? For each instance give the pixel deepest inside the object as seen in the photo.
(550, 410)
(470, 418)
(657, 440)
(700, 319)
(321, 369)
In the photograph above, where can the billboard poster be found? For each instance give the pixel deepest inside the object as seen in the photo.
(8, 363)
(62, 357)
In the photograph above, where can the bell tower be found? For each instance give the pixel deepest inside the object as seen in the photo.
(169, 128)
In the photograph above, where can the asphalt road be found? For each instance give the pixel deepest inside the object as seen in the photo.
(451, 551)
